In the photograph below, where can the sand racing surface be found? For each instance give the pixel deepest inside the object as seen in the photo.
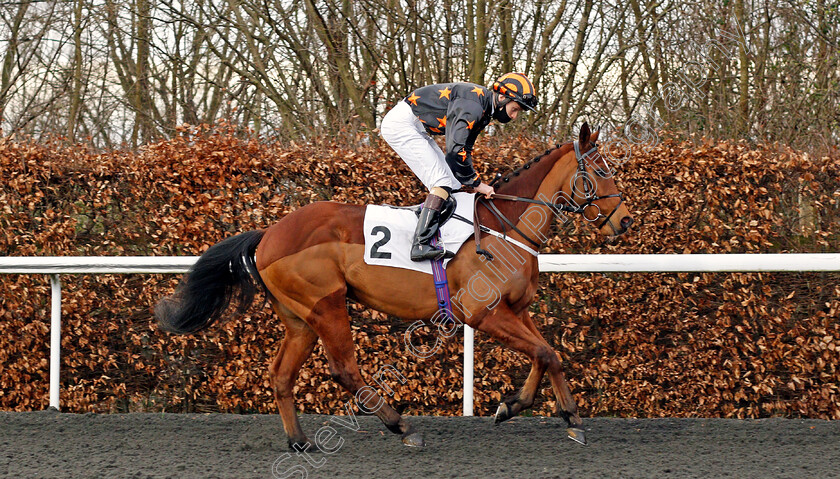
(57, 445)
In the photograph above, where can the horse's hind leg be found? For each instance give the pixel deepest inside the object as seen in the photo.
(297, 346)
(330, 320)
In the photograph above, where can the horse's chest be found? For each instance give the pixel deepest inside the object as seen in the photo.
(522, 295)
(522, 288)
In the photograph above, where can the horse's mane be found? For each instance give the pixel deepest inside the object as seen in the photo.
(527, 165)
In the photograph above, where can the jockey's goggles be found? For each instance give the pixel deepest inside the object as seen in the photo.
(528, 101)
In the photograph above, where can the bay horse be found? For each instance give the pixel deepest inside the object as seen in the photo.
(312, 260)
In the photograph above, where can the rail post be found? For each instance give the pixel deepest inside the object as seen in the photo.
(469, 338)
(55, 341)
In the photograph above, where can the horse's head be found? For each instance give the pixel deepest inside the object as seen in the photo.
(573, 178)
(592, 187)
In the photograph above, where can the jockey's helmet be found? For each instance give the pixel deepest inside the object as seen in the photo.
(518, 88)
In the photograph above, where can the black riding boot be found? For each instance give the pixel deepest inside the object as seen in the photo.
(427, 226)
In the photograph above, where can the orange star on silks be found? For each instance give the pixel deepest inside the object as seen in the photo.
(434, 130)
(470, 124)
(478, 91)
(445, 92)
(463, 155)
(413, 98)
(441, 121)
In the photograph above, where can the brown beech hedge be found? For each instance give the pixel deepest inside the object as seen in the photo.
(642, 345)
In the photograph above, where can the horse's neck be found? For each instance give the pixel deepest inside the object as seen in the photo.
(540, 181)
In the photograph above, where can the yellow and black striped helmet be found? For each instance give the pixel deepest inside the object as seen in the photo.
(517, 87)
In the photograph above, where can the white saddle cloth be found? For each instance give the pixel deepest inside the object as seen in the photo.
(389, 231)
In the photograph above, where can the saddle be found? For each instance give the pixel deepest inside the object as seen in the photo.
(446, 212)
(438, 270)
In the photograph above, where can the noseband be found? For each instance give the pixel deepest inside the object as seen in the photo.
(589, 195)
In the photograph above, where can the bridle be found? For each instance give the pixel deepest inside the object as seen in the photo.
(588, 194)
(592, 198)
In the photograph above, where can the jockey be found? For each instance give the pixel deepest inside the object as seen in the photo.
(460, 111)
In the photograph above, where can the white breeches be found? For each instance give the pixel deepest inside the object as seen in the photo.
(406, 135)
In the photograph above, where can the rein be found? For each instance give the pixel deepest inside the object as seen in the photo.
(569, 208)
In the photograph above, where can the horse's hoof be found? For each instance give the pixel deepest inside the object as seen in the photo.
(503, 413)
(303, 446)
(415, 439)
(576, 435)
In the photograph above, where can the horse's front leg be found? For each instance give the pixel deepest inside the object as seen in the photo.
(566, 406)
(518, 332)
(524, 398)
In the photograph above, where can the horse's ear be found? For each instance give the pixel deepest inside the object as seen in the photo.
(584, 134)
(594, 137)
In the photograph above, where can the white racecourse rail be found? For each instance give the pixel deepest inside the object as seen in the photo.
(579, 263)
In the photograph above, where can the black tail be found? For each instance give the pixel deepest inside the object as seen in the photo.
(224, 272)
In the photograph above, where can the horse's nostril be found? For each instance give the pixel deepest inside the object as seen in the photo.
(626, 222)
